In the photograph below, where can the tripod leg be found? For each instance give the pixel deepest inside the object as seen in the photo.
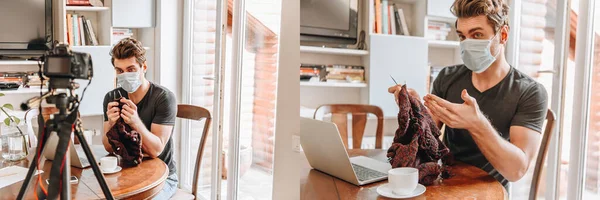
(66, 178)
(64, 135)
(88, 153)
(43, 135)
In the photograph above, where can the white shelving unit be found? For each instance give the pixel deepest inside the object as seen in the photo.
(33, 90)
(333, 84)
(333, 51)
(86, 8)
(18, 62)
(444, 44)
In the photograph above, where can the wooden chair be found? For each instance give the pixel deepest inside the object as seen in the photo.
(339, 116)
(194, 113)
(541, 157)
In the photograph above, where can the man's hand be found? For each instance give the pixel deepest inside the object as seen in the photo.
(397, 88)
(130, 115)
(460, 116)
(113, 112)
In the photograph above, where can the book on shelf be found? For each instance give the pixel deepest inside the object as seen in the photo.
(80, 31)
(384, 16)
(387, 18)
(378, 19)
(75, 31)
(70, 38)
(120, 33)
(438, 30)
(78, 3)
(392, 19)
(405, 30)
(90, 30)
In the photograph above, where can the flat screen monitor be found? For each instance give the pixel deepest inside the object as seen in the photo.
(25, 26)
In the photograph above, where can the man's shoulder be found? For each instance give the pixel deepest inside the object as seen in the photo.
(161, 91)
(526, 84)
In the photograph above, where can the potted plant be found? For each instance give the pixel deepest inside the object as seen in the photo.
(12, 120)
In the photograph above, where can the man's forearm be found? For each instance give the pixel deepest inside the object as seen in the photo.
(506, 158)
(151, 144)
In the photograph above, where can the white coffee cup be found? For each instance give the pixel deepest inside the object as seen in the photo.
(403, 180)
(108, 163)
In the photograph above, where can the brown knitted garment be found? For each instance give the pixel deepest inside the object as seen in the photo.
(126, 143)
(416, 143)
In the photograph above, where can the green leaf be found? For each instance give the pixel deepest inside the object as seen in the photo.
(7, 121)
(8, 106)
(17, 120)
(1, 94)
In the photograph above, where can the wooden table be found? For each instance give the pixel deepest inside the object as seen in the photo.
(469, 183)
(141, 182)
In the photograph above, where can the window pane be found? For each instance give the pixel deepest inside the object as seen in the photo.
(536, 58)
(203, 34)
(592, 173)
(258, 93)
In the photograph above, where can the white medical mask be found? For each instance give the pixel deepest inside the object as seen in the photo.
(129, 81)
(476, 54)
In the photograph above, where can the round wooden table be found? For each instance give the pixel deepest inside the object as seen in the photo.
(141, 182)
(469, 183)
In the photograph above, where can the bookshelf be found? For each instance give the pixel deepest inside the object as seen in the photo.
(87, 8)
(33, 90)
(333, 51)
(444, 44)
(333, 84)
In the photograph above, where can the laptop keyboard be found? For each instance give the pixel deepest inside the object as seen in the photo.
(365, 174)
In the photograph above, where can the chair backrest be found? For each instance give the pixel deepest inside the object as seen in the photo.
(339, 116)
(541, 156)
(197, 113)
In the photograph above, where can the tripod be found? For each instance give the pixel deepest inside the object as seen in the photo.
(63, 124)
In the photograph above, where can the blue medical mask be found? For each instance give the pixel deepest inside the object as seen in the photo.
(129, 81)
(476, 54)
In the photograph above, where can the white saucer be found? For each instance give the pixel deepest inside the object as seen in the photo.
(118, 169)
(386, 191)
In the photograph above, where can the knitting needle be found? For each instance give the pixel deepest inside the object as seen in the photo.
(393, 79)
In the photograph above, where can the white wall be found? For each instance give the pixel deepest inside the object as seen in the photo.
(168, 55)
(286, 179)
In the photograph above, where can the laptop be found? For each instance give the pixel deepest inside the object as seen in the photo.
(325, 152)
(77, 155)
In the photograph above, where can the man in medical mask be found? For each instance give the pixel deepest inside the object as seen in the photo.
(493, 112)
(148, 108)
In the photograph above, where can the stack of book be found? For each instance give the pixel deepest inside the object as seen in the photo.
(309, 72)
(388, 19)
(80, 31)
(78, 3)
(343, 73)
(120, 33)
(438, 30)
(33, 80)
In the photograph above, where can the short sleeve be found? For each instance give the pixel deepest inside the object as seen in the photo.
(166, 109)
(532, 108)
(105, 105)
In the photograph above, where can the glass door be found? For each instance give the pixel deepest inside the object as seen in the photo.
(584, 170)
(252, 87)
(231, 69)
(203, 78)
(537, 47)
